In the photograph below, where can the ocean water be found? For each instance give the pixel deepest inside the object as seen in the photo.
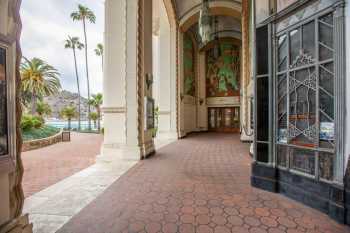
(74, 124)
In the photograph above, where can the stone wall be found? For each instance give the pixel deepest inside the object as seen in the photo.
(40, 143)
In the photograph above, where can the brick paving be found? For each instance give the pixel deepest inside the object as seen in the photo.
(47, 166)
(199, 184)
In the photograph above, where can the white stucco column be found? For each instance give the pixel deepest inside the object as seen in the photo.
(124, 137)
(166, 71)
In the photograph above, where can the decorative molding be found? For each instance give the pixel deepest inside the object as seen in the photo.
(229, 8)
(245, 53)
(140, 71)
(113, 109)
(16, 191)
(223, 101)
(164, 112)
(18, 225)
(340, 85)
(178, 77)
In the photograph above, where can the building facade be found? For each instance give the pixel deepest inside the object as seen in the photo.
(274, 71)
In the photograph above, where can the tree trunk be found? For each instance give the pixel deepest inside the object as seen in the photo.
(69, 124)
(99, 119)
(87, 73)
(77, 76)
(33, 110)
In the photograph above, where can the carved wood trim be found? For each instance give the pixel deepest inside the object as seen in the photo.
(16, 191)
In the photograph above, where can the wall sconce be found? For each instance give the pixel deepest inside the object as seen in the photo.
(182, 96)
(149, 80)
(201, 101)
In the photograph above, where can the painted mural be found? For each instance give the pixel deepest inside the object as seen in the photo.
(223, 71)
(188, 58)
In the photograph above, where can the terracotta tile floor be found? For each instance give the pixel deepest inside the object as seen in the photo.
(199, 184)
(49, 165)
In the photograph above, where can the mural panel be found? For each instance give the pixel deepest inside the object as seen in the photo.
(223, 71)
(188, 59)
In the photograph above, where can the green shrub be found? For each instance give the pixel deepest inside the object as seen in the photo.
(37, 122)
(43, 132)
(28, 122)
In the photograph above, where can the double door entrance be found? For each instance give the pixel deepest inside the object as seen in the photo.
(224, 119)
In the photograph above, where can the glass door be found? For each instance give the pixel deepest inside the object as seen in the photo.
(224, 119)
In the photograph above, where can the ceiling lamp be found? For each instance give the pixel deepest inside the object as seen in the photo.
(217, 49)
(204, 23)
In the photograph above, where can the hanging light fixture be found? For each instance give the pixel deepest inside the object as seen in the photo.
(204, 23)
(217, 49)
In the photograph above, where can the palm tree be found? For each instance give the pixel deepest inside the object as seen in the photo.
(96, 102)
(74, 43)
(43, 109)
(85, 14)
(99, 52)
(39, 79)
(69, 113)
(94, 117)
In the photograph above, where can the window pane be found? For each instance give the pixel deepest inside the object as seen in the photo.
(309, 39)
(302, 107)
(3, 104)
(212, 113)
(326, 104)
(262, 51)
(236, 118)
(282, 108)
(282, 53)
(326, 162)
(303, 160)
(262, 152)
(326, 33)
(228, 117)
(326, 78)
(326, 47)
(295, 45)
(262, 109)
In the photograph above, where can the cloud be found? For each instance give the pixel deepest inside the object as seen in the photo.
(45, 28)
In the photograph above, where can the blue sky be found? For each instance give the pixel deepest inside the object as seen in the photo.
(46, 25)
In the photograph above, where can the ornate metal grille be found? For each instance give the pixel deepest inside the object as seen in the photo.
(305, 98)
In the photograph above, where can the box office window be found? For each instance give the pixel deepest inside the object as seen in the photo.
(3, 105)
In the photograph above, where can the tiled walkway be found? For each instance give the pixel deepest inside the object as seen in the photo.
(199, 184)
(47, 166)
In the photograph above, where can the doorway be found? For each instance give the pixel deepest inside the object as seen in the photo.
(224, 119)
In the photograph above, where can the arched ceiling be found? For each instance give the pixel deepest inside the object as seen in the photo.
(185, 6)
(227, 27)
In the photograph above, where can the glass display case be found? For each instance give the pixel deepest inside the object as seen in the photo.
(305, 98)
(4, 136)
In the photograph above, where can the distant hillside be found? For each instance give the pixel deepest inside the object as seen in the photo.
(66, 98)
